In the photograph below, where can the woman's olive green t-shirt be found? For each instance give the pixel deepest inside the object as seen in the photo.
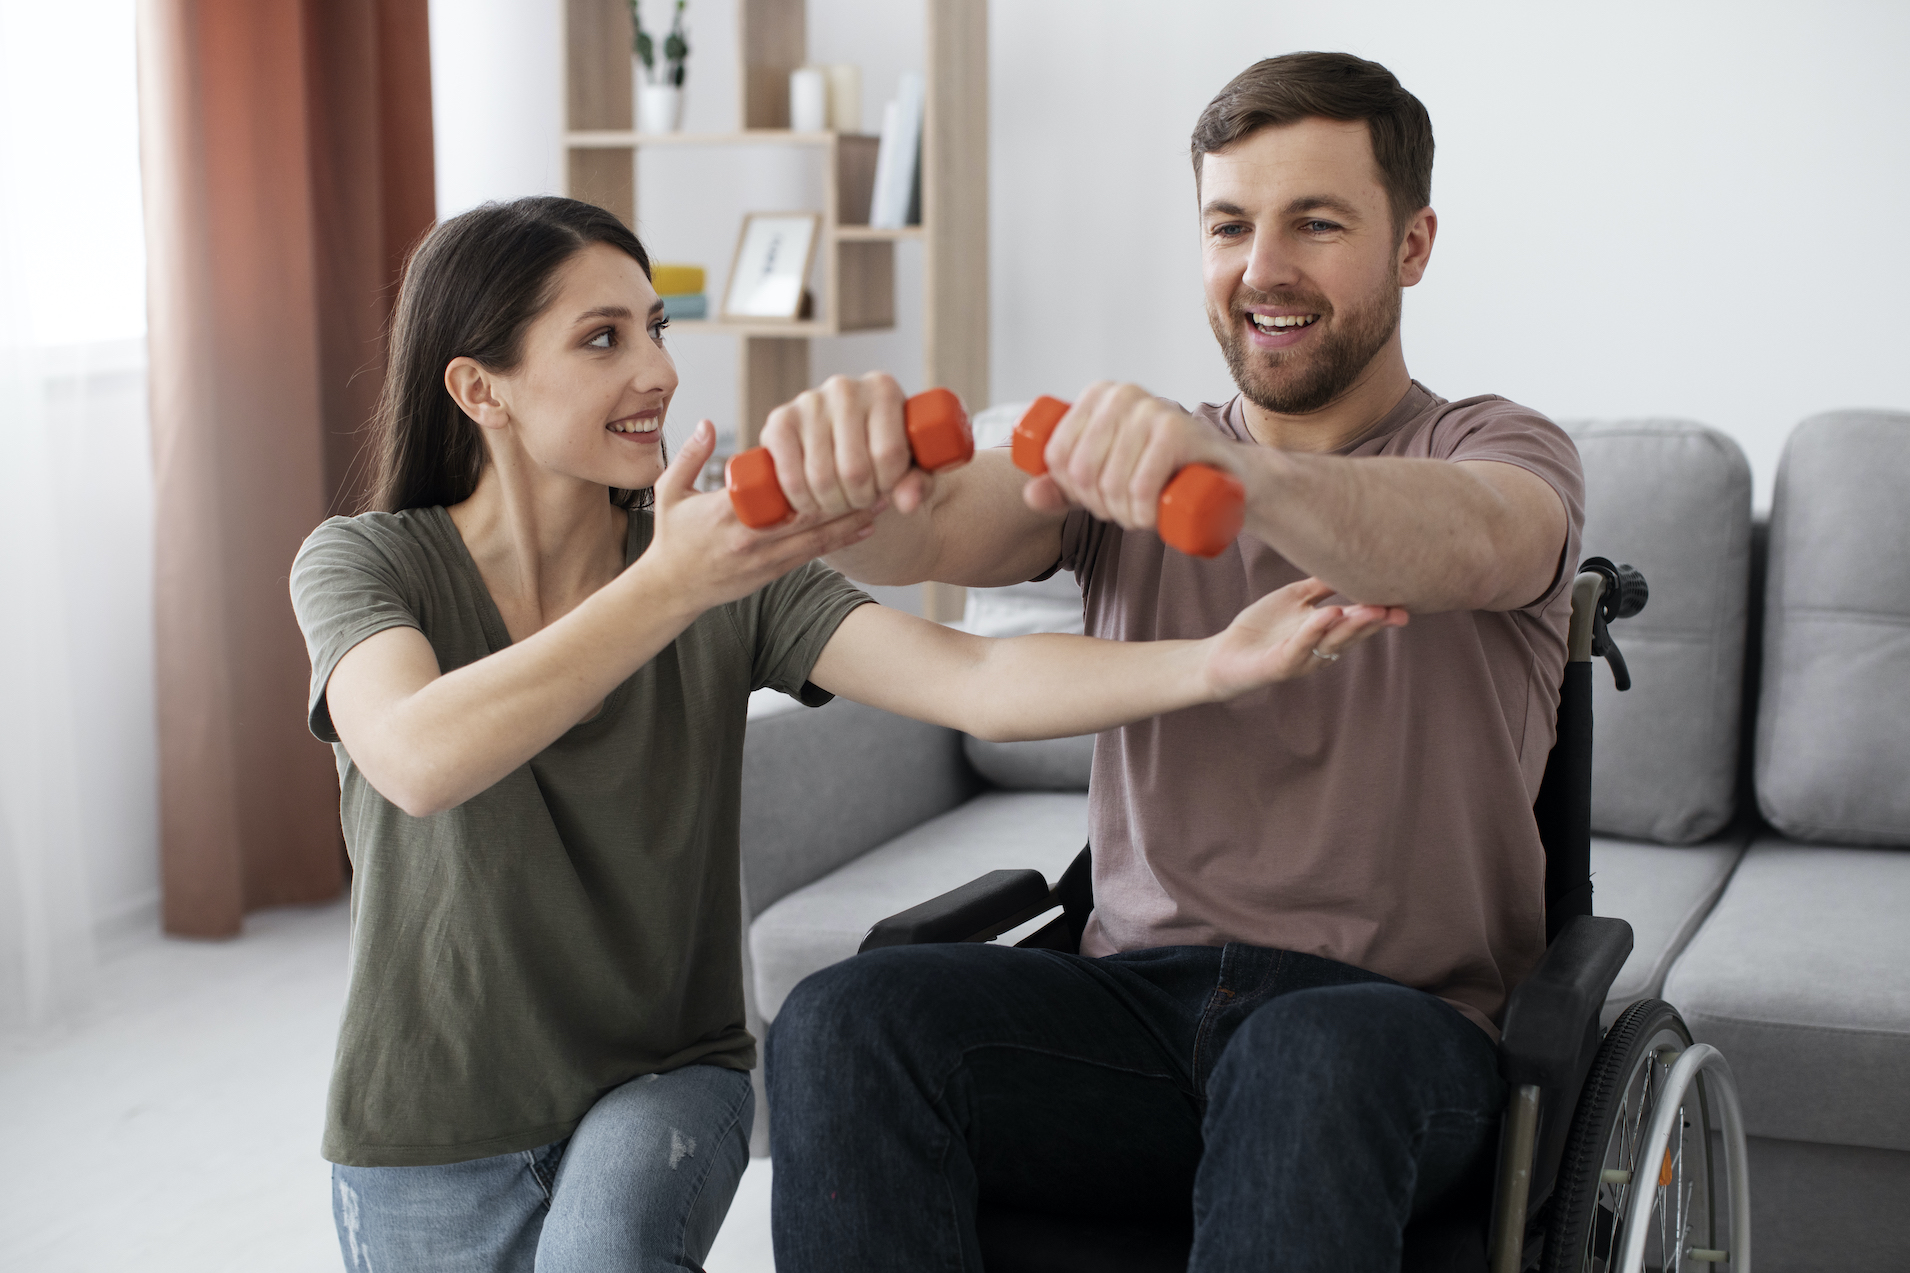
(578, 923)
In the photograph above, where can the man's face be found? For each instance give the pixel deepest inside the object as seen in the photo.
(1300, 263)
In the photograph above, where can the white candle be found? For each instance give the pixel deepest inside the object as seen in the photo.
(808, 100)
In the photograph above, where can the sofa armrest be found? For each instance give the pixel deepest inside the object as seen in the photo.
(822, 786)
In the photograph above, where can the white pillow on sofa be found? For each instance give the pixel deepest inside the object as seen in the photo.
(1052, 605)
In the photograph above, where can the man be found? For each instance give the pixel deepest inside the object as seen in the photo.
(1311, 904)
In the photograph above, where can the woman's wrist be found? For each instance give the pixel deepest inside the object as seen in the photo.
(661, 588)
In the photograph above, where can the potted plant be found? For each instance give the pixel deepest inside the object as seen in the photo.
(660, 96)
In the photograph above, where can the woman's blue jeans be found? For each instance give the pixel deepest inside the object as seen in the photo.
(642, 1184)
(1298, 1111)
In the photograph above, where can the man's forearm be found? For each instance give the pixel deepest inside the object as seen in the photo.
(1428, 535)
(974, 530)
(900, 551)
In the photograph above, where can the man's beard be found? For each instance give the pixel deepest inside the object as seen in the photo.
(1301, 381)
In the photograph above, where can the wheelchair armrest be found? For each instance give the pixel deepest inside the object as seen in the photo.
(978, 910)
(1551, 1020)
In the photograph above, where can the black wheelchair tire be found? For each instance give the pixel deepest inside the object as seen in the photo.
(1574, 1206)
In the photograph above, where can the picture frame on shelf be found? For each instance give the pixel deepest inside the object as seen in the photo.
(774, 254)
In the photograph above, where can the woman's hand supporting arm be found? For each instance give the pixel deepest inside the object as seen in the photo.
(428, 740)
(1053, 686)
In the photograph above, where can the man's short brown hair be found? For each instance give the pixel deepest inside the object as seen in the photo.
(1297, 86)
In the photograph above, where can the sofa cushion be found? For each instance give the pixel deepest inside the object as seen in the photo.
(815, 926)
(1831, 729)
(1801, 977)
(1664, 893)
(1673, 499)
(827, 784)
(1047, 764)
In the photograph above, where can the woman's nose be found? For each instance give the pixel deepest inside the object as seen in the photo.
(655, 370)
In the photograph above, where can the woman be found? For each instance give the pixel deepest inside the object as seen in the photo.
(535, 677)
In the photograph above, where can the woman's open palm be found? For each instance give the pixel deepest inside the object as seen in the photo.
(1288, 634)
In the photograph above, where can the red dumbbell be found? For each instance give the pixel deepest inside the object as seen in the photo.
(1201, 511)
(939, 438)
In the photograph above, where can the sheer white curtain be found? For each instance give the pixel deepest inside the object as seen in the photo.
(78, 815)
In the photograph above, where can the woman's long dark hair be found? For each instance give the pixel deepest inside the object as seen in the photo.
(470, 289)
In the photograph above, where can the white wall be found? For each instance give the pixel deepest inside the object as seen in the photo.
(1687, 209)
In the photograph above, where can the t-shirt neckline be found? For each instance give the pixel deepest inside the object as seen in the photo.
(491, 619)
(1416, 399)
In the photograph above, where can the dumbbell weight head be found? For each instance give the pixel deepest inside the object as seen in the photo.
(1202, 509)
(939, 434)
(939, 438)
(755, 493)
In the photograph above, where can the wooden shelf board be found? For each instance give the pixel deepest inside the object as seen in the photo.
(735, 327)
(870, 234)
(601, 139)
(806, 327)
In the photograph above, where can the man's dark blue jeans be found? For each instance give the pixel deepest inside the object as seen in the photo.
(1303, 1109)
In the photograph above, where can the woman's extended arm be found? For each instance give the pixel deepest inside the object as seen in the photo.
(428, 740)
(1053, 686)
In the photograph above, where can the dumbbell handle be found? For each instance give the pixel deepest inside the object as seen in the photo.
(1202, 508)
(939, 438)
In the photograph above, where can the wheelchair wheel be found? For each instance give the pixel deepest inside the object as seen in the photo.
(1600, 1172)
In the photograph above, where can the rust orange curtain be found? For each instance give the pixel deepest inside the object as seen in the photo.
(286, 154)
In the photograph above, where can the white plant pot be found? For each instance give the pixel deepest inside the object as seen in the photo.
(659, 108)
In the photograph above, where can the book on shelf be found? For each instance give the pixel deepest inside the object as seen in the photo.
(678, 305)
(676, 280)
(896, 198)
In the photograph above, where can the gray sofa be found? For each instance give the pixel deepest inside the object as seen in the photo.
(1751, 810)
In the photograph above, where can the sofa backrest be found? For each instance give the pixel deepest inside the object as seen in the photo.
(1832, 763)
(1672, 498)
(822, 786)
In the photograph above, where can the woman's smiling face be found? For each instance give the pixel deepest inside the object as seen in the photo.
(589, 396)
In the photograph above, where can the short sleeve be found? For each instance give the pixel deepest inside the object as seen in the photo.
(1506, 433)
(787, 623)
(1082, 537)
(343, 590)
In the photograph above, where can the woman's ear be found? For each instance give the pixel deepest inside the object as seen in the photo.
(474, 389)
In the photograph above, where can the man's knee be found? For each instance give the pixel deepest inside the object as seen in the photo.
(1363, 1043)
(872, 1005)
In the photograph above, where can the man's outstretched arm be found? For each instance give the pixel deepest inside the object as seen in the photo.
(1427, 535)
(843, 447)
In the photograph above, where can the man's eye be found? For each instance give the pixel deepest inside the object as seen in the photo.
(1319, 227)
(605, 339)
(1232, 230)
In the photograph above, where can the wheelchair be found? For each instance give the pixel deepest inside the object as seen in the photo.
(1609, 1144)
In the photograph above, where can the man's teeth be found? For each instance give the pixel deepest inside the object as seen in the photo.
(635, 426)
(1282, 322)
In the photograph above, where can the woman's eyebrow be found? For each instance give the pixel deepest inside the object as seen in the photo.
(605, 311)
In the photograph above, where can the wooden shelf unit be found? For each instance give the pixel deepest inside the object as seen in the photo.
(857, 261)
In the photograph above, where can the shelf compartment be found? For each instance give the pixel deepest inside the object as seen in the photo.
(870, 234)
(606, 138)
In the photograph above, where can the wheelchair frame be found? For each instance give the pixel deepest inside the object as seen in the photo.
(1550, 1041)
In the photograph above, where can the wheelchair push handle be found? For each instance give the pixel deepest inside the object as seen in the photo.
(1621, 594)
(1201, 511)
(939, 438)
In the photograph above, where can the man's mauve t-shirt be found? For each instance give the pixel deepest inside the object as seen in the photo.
(577, 923)
(1377, 812)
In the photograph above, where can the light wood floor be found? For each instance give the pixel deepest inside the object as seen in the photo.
(174, 1124)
